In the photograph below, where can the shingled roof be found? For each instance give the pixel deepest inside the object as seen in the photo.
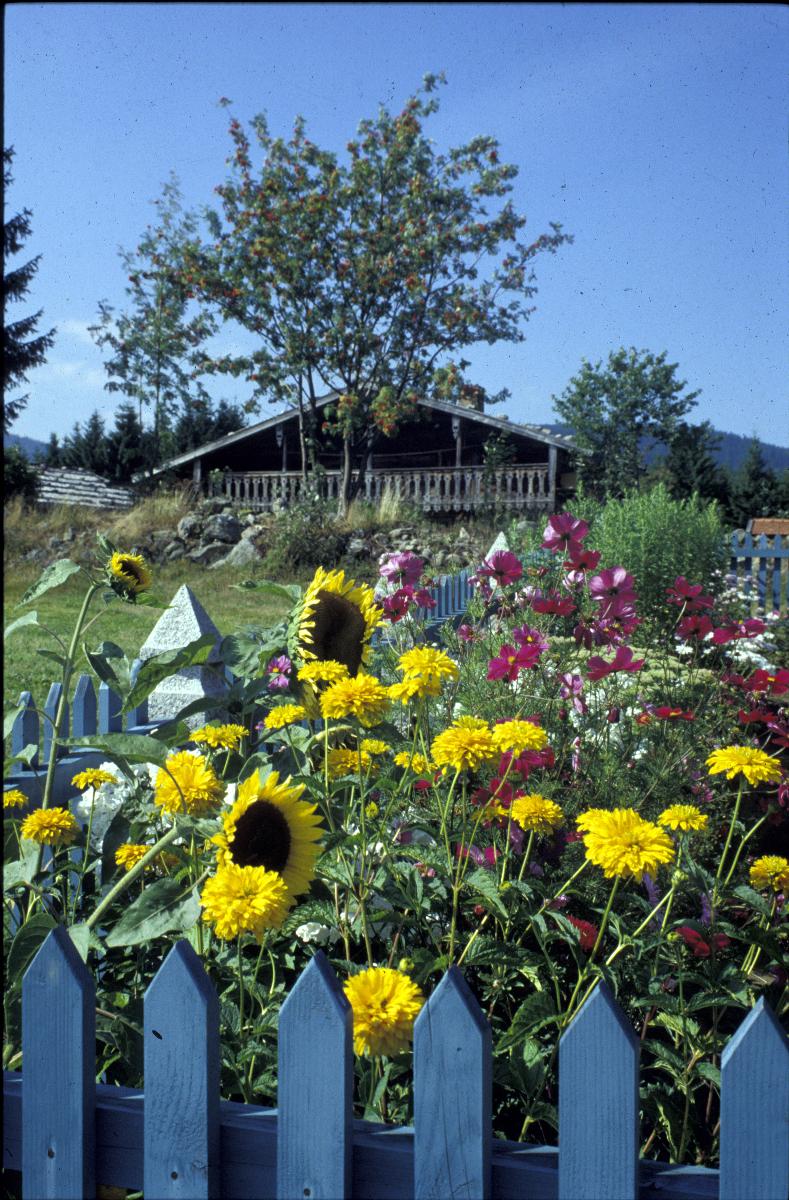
(61, 485)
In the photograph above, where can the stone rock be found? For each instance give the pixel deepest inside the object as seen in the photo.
(174, 551)
(356, 547)
(222, 527)
(189, 526)
(242, 555)
(251, 531)
(207, 554)
(181, 623)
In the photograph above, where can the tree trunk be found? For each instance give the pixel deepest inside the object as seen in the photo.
(346, 480)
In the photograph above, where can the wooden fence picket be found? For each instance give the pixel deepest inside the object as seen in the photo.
(25, 731)
(315, 1088)
(110, 719)
(757, 566)
(754, 1156)
(58, 1088)
(50, 711)
(181, 1065)
(598, 1103)
(83, 708)
(452, 1095)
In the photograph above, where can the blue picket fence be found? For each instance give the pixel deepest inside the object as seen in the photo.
(761, 566)
(178, 1139)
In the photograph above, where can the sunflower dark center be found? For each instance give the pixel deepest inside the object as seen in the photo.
(131, 569)
(262, 837)
(339, 631)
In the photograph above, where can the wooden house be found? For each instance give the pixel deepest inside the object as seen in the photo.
(436, 461)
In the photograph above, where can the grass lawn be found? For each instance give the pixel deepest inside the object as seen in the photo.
(125, 624)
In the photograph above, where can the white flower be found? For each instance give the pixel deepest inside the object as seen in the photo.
(313, 931)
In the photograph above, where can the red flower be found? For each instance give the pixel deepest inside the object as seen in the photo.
(665, 713)
(588, 933)
(511, 662)
(774, 683)
(564, 532)
(623, 660)
(695, 941)
(688, 595)
(734, 631)
(694, 626)
(502, 566)
(552, 602)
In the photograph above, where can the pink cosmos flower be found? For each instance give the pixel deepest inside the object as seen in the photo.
(402, 568)
(424, 599)
(481, 858)
(397, 605)
(572, 687)
(503, 567)
(510, 662)
(525, 636)
(466, 633)
(773, 683)
(614, 583)
(623, 660)
(584, 560)
(694, 627)
(279, 669)
(564, 532)
(688, 595)
(551, 602)
(734, 631)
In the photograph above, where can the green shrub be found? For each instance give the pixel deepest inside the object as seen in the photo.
(304, 535)
(657, 539)
(20, 478)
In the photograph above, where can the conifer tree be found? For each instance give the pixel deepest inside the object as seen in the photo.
(24, 347)
(754, 488)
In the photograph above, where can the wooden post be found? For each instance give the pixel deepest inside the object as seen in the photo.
(197, 470)
(552, 459)
(457, 432)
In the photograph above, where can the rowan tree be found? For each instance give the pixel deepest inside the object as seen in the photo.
(364, 277)
(24, 348)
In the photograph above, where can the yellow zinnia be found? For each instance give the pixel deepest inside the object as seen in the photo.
(517, 736)
(536, 813)
(385, 1004)
(92, 778)
(362, 696)
(323, 672)
(270, 826)
(685, 817)
(755, 765)
(623, 844)
(220, 737)
(405, 691)
(465, 745)
(336, 621)
(284, 714)
(770, 871)
(244, 900)
(413, 762)
(428, 665)
(13, 798)
(341, 761)
(188, 784)
(130, 571)
(50, 827)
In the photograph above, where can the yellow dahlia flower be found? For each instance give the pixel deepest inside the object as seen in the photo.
(323, 672)
(92, 778)
(130, 571)
(336, 621)
(220, 737)
(385, 1004)
(465, 745)
(50, 827)
(755, 765)
(284, 714)
(413, 762)
(270, 826)
(13, 798)
(342, 761)
(517, 736)
(405, 691)
(770, 871)
(536, 813)
(244, 900)
(684, 817)
(427, 663)
(200, 789)
(362, 696)
(622, 843)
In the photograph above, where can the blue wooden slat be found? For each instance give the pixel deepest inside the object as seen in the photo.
(315, 1088)
(110, 719)
(50, 708)
(754, 1163)
(777, 556)
(452, 1095)
(83, 708)
(25, 731)
(181, 1065)
(139, 715)
(598, 1103)
(59, 1055)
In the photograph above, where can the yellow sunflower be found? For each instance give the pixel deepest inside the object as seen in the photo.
(93, 777)
(336, 621)
(323, 672)
(220, 737)
(244, 900)
(385, 1005)
(426, 663)
(50, 827)
(200, 788)
(755, 765)
(466, 744)
(129, 573)
(342, 761)
(284, 714)
(270, 826)
(622, 843)
(415, 762)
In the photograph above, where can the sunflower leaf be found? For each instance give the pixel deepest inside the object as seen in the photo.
(164, 907)
(161, 666)
(53, 576)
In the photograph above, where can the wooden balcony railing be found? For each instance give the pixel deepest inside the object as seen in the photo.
(440, 489)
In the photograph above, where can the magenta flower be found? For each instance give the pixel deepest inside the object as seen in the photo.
(525, 636)
(694, 627)
(623, 660)
(734, 631)
(503, 567)
(510, 662)
(404, 568)
(279, 669)
(572, 688)
(552, 602)
(564, 532)
(614, 583)
(480, 858)
(688, 595)
(466, 633)
(424, 599)
(396, 606)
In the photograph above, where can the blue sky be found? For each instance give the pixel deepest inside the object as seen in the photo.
(656, 135)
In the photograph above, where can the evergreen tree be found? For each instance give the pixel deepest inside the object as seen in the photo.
(130, 448)
(754, 488)
(86, 449)
(52, 456)
(691, 464)
(23, 349)
(199, 422)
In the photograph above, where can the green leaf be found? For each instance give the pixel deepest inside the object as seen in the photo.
(116, 678)
(53, 576)
(26, 945)
(82, 937)
(10, 719)
(752, 899)
(58, 658)
(283, 591)
(133, 747)
(163, 907)
(161, 666)
(482, 882)
(30, 618)
(708, 1071)
(536, 1011)
(24, 869)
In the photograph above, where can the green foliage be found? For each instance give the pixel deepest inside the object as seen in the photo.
(754, 490)
(612, 408)
(20, 478)
(23, 349)
(657, 538)
(305, 535)
(363, 277)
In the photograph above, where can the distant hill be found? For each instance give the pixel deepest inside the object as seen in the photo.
(731, 452)
(30, 447)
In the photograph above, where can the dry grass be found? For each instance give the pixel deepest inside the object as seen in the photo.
(162, 510)
(387, 512)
